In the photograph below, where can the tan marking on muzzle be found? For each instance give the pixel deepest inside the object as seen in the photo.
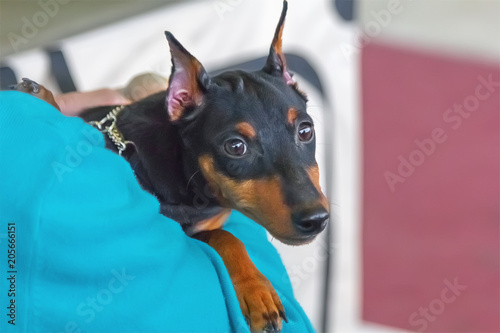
(314, 176)
(260, 199)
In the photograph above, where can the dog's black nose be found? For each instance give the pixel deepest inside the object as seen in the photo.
(311, 221)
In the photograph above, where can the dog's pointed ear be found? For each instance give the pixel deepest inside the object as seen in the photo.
(188, 80)
(276, 62)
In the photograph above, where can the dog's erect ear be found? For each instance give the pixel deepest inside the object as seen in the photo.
(276, 62)
(188, 80)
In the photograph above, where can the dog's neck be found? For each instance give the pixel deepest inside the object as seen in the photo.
(160, 162)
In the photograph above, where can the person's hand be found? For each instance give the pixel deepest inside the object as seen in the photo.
(141, 86)
(73, 103)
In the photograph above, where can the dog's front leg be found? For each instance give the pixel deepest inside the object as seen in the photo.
(258, 300)
(31, 87)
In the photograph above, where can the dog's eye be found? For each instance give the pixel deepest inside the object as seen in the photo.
(235, 147)
(306, 132)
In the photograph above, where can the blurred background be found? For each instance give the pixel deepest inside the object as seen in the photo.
(405, 96)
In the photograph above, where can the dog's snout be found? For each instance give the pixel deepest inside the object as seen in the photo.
(311, 221)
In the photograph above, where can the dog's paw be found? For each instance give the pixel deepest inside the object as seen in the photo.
(31, 87)
(27, 86)
(260, 304)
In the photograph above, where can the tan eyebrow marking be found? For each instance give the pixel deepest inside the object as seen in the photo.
(246, 129)
(292, 115)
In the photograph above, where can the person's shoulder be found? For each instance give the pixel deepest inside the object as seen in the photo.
(15, 101)
(23, 112)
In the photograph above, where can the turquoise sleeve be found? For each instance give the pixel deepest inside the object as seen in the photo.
(84, 249)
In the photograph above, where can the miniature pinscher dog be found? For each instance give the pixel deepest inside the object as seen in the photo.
(239, 140)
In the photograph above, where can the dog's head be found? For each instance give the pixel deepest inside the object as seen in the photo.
(252, 139)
